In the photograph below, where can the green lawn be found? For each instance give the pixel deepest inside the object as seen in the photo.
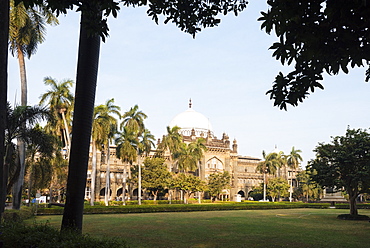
(243, 228)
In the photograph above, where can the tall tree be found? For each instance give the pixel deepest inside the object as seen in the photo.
(134, 119)
(26, 30)
(189, 184)
(308, 188)
(59, 100)
(155, 176)
(127, 143)
(103, 124)
(344, 163)
(293, 161)
(277, 187)
(41, 147)
(4, 36)
(186, 159)
(171, 142)
(271, 162)
(145, 145)
(110, 110)
(198, 148)
(20, 122)
(190, 17)
(317, 36)
(217, 182)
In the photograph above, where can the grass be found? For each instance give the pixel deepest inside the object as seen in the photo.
(243, 228)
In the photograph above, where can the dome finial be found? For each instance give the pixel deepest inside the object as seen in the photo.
(190, 103)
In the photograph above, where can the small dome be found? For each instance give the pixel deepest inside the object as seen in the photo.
(191, 119)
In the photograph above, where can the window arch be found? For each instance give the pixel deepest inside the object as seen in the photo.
(215, 163)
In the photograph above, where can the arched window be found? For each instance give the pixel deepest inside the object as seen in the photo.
(215, 163)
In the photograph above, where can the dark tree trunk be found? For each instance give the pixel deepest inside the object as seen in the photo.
(4, 36)
(87, 72)
(352, 204)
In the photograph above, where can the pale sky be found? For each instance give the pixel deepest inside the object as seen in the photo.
(225, 70)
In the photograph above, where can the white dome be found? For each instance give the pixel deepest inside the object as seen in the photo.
(190, 119)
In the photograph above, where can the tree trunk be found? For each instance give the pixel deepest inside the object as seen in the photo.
(139, 179)
(124, 186)
(352, 203)
(93, 173)
(107, 180)
(264, 186)
(66, 134)
(18, 186)
(4, 36)
(87, 72)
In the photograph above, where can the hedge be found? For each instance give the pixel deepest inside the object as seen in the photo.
(185, 207)
(19, 235)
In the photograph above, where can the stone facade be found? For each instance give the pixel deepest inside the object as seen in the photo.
(220, 156)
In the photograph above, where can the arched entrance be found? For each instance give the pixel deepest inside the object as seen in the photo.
(135, 194)
(102, 192)
(241, 192)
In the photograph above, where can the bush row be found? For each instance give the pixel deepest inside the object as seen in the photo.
(184, 207)
(17, 234)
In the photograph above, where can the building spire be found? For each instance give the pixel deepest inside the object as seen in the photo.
(190, 103)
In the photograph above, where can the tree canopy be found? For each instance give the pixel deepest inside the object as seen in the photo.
(189, 16)
(217, 182)
(344, 163)
(317, 36)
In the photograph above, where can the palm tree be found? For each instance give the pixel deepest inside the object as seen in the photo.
(20, 122)
(134, 119)
(92, 28)
(187, 160)
(59, 175)
(171, 142)
(198, 147)
(110, 109)
(59, 100)
(104, 126)
(145, 145)
(44, 146)
(86, 80)
(98, 133)
(26, 30)
(4, 36)
(126, 150)
(271, 162)
(293, 161)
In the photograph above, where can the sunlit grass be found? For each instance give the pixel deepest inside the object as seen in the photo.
(243, 228)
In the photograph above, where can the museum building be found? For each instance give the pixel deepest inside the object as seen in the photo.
(221, 155)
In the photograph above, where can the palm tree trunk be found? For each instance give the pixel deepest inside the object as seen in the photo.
(124, 185)
(23, 77)
(93, 173)
(139, 180)
(107, 181)
(264, 186)
(4, 36)
(67, 134)
(18, 186)
(290, 190)
(87, 72)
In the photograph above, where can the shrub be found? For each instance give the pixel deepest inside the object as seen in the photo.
(18, 215)
(15, 234)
